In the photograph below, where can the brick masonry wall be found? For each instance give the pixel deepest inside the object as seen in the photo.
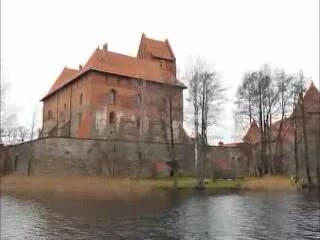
(95, 88)
(70, 156)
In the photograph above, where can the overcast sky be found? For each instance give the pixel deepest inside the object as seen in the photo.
(39, 38)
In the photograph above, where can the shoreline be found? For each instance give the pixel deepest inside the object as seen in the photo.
(129, 189)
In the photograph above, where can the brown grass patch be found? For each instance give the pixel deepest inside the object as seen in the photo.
(92, 187)
(270, 183)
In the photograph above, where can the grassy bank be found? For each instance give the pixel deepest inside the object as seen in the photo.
(103, 187)
(191, 184)
(124, 188)
(269, 183)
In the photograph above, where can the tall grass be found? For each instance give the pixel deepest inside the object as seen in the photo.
(125, 188)
(272, 183)
(91, 187)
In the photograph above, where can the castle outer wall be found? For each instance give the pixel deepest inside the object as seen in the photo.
(91, 157)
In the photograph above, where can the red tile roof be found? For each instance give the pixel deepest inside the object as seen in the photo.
(64, 77)
(158, 49)
(311, 103)
(312, 99)
(123, 65)
(253, 134)
(286, 131)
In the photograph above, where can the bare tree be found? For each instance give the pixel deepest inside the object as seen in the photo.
(6, 115)
(206, 97)
(142, 124)
(296, 89)
(10, 135)
(193, 78)
(1, 103)
(284, 89)
(170, 130)
(22, 133)
(245, 99)
(258, 100)
(33, 124)
(252, 92)
(301, 104)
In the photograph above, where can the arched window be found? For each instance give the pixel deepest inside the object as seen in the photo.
(81, 99)
(112, 118)
(49, 114)
(138, 123)
(79, 119)
(162, 64)
(112, 96)
(139, 99)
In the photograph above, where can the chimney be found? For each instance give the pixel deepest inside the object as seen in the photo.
(105, 47)
(80, 66)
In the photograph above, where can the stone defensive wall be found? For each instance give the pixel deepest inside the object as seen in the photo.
(96, 157)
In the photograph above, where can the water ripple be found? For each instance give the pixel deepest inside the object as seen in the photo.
(248, 216)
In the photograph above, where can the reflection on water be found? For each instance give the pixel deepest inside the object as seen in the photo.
(232, 216)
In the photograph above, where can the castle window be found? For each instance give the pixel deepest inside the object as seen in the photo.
(65, 106)
(139, 98)
(81, 99)
(112, 118)
(138, 123)
(79, 119)
(49, 114)
(112, 97)
(164, 101)
(162, 64)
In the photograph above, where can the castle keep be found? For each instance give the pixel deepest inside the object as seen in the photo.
(113, 95)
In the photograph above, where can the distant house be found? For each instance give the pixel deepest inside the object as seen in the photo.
(285, 159)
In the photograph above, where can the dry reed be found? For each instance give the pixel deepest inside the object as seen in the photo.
(269, 183)
(92, 187)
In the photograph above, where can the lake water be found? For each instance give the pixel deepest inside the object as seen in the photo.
(229, 216)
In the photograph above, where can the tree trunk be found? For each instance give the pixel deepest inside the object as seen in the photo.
(271, 167)
(318, 156)
(172, 143)
(261, 137)
(306, 145)
(296, 150)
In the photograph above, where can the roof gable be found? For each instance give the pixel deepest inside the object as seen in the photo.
(312, 99)
(156, 48)
(253, 134)
(124, 65)
(311, 103)
(63, 78)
